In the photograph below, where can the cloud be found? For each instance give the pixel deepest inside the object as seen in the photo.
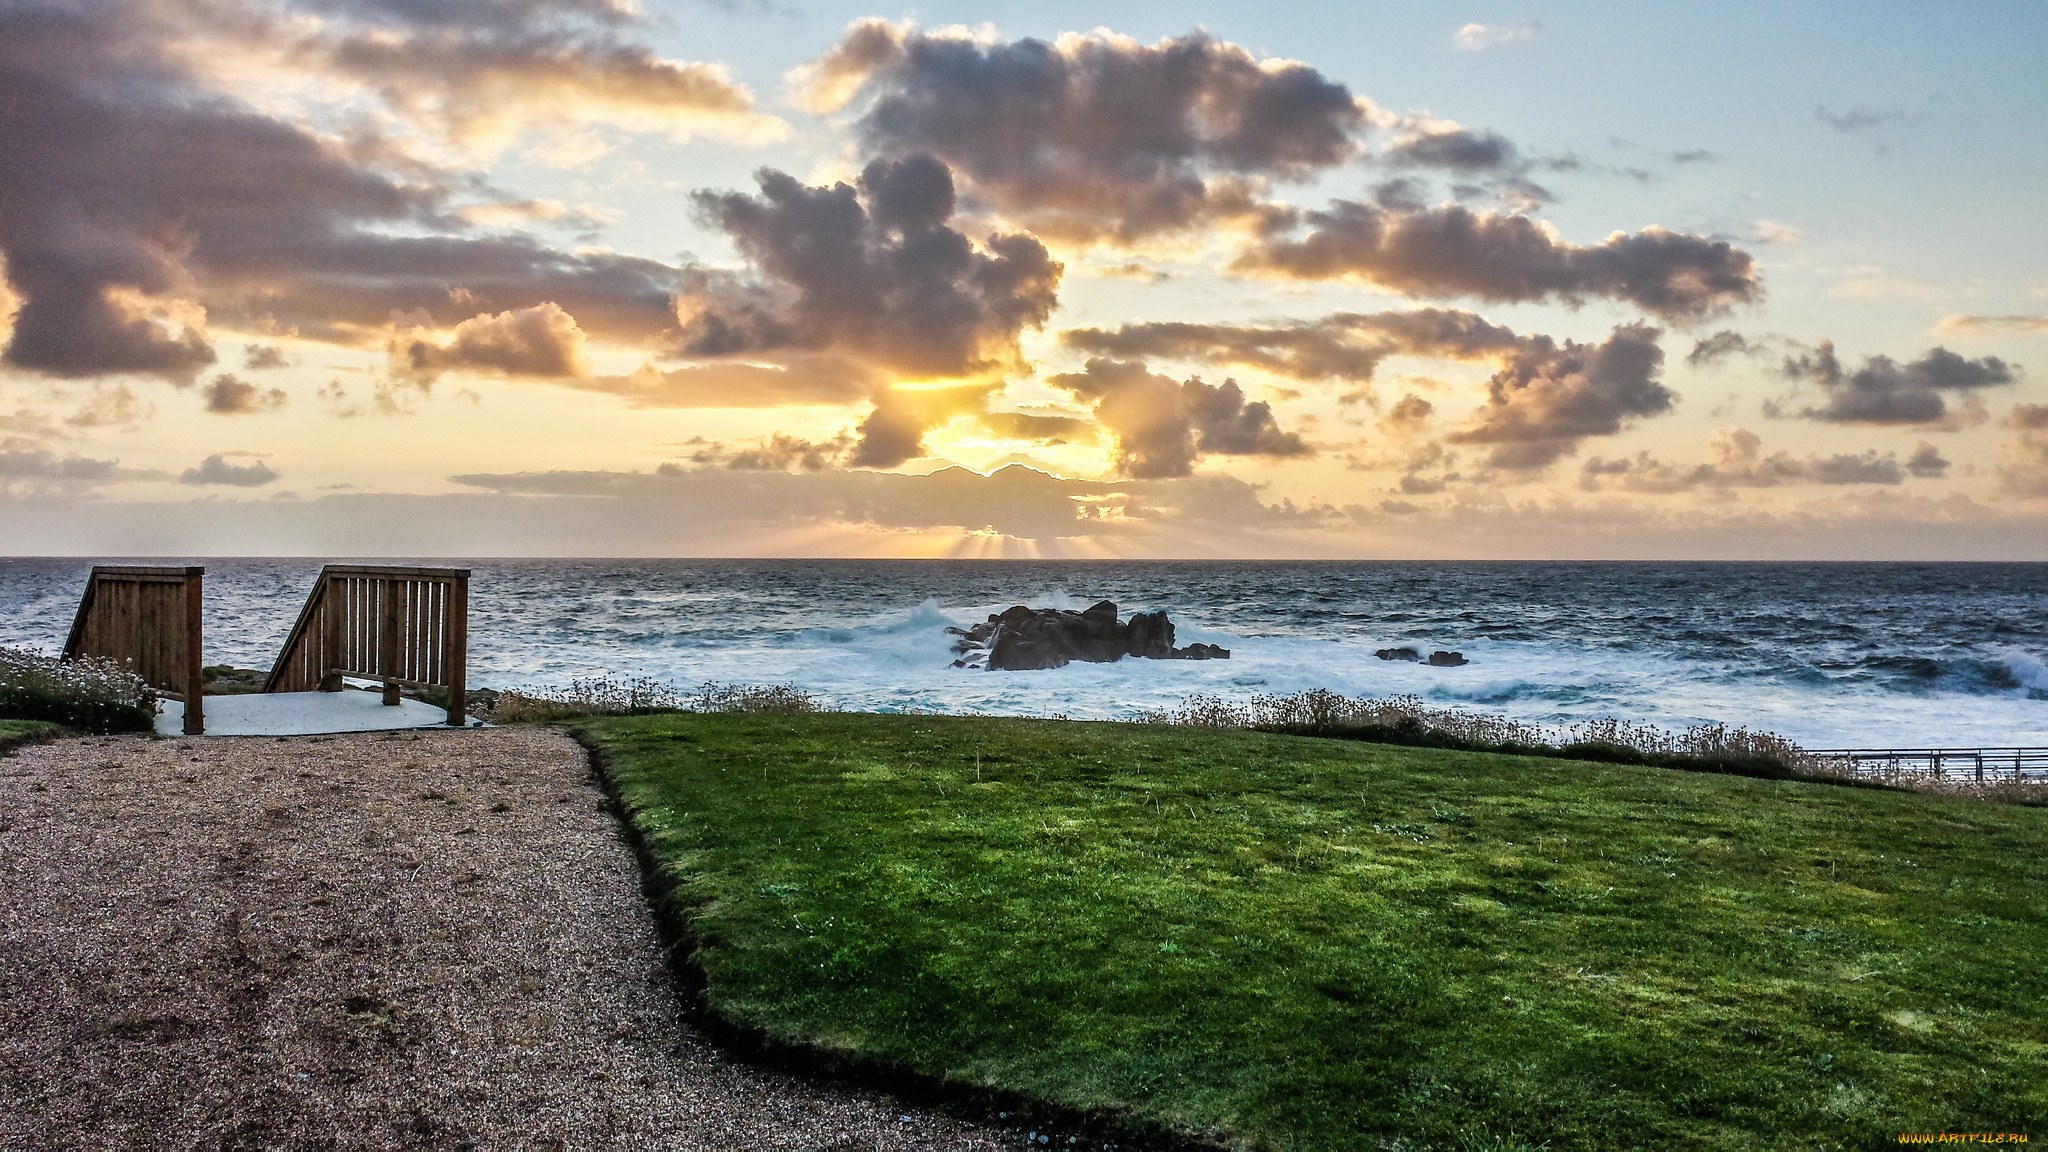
(1480, 37)
(1162, 427)
(1345, 346)
(1883, 391)
(1985, 325)
(1926, 462)
(231, 396)
(1712, 350)
(262, 357)
(206, 212)
(1452, 251)
(1858, 119)
(37, 472)
(777, 453)
(2023, 467)
(541, 342)
(1738, 462)
(215, 469)
(872, 273)
(481, 87)
(1457, 150)
(111, 405)
(1773, 232)
(1038, 428)
(795, 380)
(1549, 397)
(1090, 137)
(1408, 413)
(1542, 402)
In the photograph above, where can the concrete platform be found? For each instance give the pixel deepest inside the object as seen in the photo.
(301, 714)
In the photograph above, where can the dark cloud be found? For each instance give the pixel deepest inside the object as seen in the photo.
(1549, 397)
(871, 272)
(1162, 427)
(1460, 151)
(138, 206)
(1343, 346)
(1401, 194)
(261, 357)
(777, 453)
(1410, 411)
(542, 342)
(231, 396)
(1927, 462)
(1857, 119)
(215, 469)
(1091, 137)
(1695, 156)
(1722, 345)
(1884, 391)
(1453, 251)
(1739, 462)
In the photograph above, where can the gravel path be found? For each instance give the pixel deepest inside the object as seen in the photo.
(368, 941)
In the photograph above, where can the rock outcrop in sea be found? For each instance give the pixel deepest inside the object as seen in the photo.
(1022, 638)
(1437, 659)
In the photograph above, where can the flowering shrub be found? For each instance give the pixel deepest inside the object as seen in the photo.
(605, 697)
(88, 694)
(1406, 719)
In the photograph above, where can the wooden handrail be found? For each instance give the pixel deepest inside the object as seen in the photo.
(148, 620)
(403, 626)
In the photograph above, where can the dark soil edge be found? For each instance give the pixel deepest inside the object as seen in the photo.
(759, 1049)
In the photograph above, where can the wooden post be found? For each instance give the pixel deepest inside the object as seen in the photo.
(195, 675)
(456, 654)
(327, 665)
(387, 638)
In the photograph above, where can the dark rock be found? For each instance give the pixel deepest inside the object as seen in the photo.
(1023, 638)
(1447, 659)
(228, 680)
(1149, 634)
(1398, 654)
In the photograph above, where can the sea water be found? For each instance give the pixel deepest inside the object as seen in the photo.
(1830, 654)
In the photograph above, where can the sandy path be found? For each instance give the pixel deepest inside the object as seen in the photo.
(368, 941)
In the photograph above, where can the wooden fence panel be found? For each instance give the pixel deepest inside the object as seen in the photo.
(148, 620)
(407, 627)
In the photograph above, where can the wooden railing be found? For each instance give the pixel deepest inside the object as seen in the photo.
(147, 620)
(408, 627)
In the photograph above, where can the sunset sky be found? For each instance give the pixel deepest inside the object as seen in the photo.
(591, 277)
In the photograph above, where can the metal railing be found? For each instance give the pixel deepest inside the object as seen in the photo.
(406, 627)
(147, 620)
(1986, 764)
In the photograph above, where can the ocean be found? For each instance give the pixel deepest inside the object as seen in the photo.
(1859, 655)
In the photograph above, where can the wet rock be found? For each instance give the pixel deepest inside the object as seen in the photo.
(1441, 659)
(1022, 638)
(1409, 654)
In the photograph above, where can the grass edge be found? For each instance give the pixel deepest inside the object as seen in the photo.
(757, 1048)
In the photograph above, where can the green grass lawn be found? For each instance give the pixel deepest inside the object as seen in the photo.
(15, 733)
(1284, 942)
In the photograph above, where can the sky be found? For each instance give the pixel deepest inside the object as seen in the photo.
(686, 278)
